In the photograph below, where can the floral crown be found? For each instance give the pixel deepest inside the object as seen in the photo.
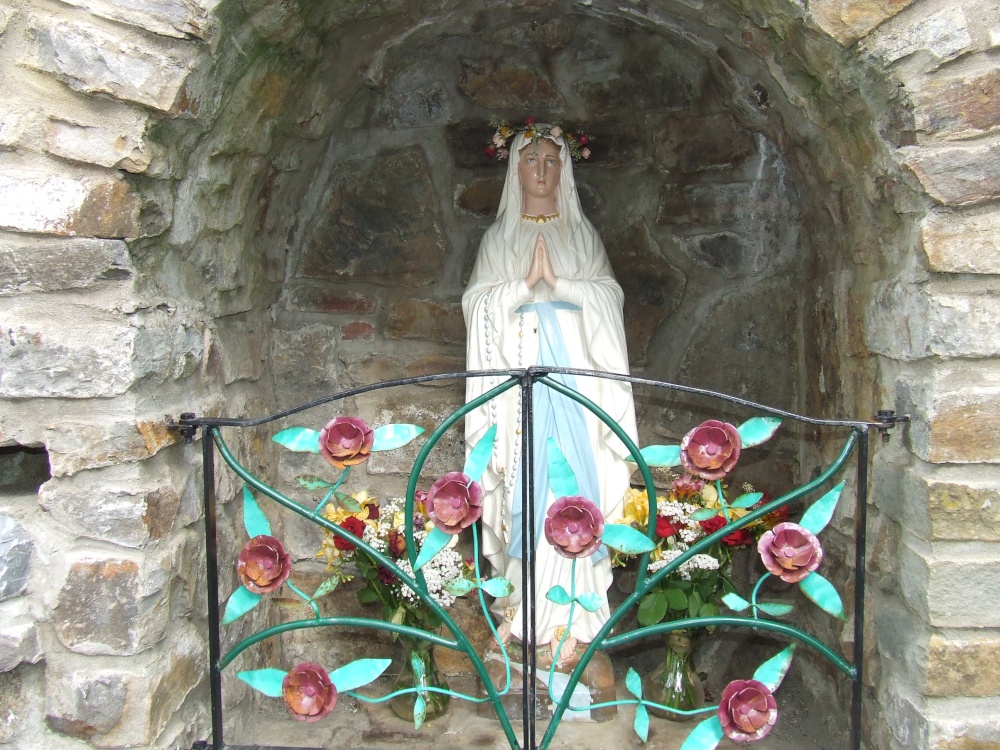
(497, 146)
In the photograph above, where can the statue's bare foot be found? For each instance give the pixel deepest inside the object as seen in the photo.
(568, 657)
(504, 632)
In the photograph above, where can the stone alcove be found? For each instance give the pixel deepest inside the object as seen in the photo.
(301, 189)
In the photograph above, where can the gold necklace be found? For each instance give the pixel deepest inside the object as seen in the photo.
(540, 219)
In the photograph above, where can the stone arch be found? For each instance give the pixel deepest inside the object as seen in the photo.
(166, 167)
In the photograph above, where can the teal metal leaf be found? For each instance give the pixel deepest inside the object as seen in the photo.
(773, 671)
(820, 512)
(418, 669)
(822, 592)
(312, 482)
(758, 430)
(347, 502)
(661, 455)
(299, 439)
(626, 539)
(459, 586)
(254, 520)
(479, 457)
(498, 587)
(703, 514)
(326, 587)
(267, 681)
(358, 673)
(419, 712)
(240, 602)
(774, 609)
(745, 501)
(735, 602)
(634, 683)
(641, 722)
(561, 476)
(705, 736)
(652, 608)
(436, 541)
(390, 436)
(559, 595)
(590, 601)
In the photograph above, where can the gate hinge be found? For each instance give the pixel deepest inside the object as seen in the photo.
(887, 419)
(184, 426)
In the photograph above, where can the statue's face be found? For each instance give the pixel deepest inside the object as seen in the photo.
(539, 168)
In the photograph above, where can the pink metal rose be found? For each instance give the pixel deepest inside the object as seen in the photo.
(711, 449)
(454, 502)
(747, 710)
(574, 525)
(308, 692)
(346, 441)
(790, 552)
(263, 564)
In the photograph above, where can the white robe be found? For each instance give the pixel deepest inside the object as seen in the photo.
(499, 337)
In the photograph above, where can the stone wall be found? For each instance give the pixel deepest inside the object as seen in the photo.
(230, 208)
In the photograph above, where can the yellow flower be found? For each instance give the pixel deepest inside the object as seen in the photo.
(636, 508)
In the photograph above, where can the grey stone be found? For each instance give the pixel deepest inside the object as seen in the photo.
(958, 175)
(124, 147)
(45, 265)
(849, 20)
(175, 18)
(12, 129)
(304, 364)
(962, 242)
(943, 34)
(75, 446)
(19, 642)
(16, 546)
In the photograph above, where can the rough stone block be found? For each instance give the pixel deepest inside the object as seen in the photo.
(963, 723)
(964, 665)
(435, 365)
(174, 18)
(29, 264)
(959, 106)
(701, 205)
(240, 340)
(427, 319)
(123, 147)
(962, 242)
(943, 34)
(304, 363)
(696, 144)
(135, 68)
(51, 204)
(12, 129)
(18, 637)
(958, 175)
(961, 509)
(358, 330)
(16, 546)
(507, 84)
(480, 197)
(112, 606)
(849, 20)
(412, 406)
(305, 298)
(952, 585)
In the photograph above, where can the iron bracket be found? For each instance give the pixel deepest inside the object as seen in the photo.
(186, 426)
(887, 419)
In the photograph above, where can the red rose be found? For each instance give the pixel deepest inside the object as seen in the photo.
(712, 524)
(584, 140)
(385, 576)
(529, 120)
(354, 525)
(664, 528)
(397, 543)
(738, 538)
(373, 511)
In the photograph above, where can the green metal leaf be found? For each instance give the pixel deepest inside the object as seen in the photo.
(703, 514)
(240, 602)
(773, 671)
(498, 587)
(774, 609)
(735, 602)
(561, 476)
(326, 587)
(559, 595)
(358, 673)
(419, 712)
(641, 722)
(590, 601)
(347, 502)
(705, 736)
(676, 599)
(459, 586)
(254, 520)
(479, 457)
(745, 501)
(626, 539)
(822, 592)
(299, 439)
(758, 430)
(418, 668)
(652, 608)
(660, 455)
(312, 482)
(390, 436)
(820, 512)
(634, 683)
(267, 681)
(436, 541)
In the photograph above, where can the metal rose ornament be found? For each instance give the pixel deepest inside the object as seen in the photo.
(263, 564)
(790, 552)
(454, 502)
(574, 525)
(711, 449)
(747, 710)
(308, 692)
(346, 441)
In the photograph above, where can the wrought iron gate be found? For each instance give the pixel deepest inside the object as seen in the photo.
(351, 440)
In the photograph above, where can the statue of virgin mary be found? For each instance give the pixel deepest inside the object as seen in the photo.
(542, 293)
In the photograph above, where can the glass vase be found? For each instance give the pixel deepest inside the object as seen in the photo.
(418, 655)
(676, 685)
